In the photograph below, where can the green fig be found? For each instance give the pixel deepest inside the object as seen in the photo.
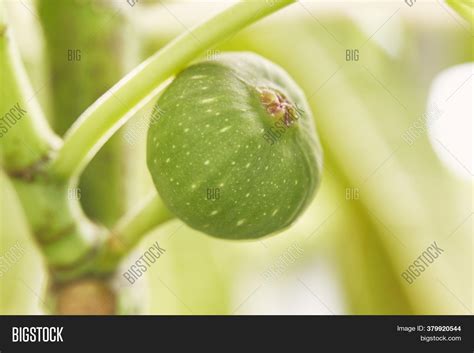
(234, 152)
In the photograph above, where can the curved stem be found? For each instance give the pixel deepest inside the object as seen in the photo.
(109, 112)
(130, 230)
(25, 136)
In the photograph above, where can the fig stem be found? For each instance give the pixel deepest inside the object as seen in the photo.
(130, 229)
(25, 138)
(104, 117)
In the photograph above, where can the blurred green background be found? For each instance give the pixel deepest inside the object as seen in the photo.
(382, 201)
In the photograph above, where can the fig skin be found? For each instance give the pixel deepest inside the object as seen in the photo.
(234, 152)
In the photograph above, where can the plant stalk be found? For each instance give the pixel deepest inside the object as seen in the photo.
(25, 136)
(130, 230)
(95, 34)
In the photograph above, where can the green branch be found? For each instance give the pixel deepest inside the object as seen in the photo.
(25, 136)
(130, 230)
(111, 111)
(104, 199)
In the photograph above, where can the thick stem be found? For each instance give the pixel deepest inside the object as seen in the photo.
(112, 110)
(25, 137)
(26, 142)
(95, 33)
(130, 230)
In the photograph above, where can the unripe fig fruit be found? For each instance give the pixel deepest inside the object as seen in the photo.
(234, 152)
